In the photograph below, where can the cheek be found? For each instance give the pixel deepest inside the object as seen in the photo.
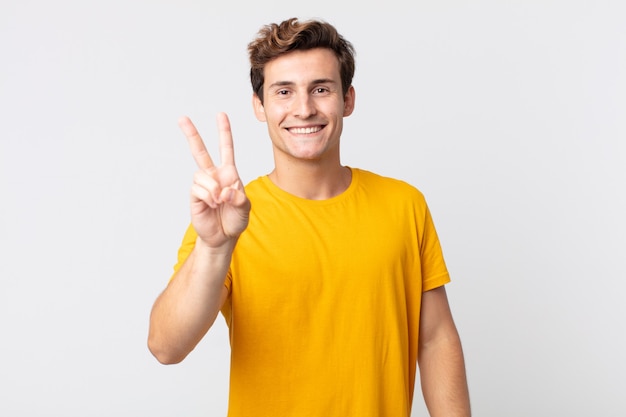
(335, 114)
(277, 113)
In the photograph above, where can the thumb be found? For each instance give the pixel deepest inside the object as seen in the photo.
(235, 196)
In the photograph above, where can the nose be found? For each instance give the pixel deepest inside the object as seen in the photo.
(303, 106)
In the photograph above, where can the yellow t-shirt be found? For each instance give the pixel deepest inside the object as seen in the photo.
(325, 300)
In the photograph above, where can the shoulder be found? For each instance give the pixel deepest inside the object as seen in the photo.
(257, 187)
(391, 187)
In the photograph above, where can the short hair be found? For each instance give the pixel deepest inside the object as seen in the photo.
(275, 40)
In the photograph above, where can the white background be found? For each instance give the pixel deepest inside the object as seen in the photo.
(509, 115)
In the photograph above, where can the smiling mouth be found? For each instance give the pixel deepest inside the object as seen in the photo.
(304, 130)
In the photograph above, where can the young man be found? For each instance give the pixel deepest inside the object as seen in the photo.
(331, 278)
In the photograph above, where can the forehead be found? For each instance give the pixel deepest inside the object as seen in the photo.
(303, 67)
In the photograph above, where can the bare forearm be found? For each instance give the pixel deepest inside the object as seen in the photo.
(443, 379)
(187, 308)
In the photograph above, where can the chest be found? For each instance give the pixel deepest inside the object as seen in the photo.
(334, 252)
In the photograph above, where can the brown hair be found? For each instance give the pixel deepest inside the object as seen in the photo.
(274, 40)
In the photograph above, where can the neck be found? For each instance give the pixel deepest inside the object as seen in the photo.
(312, 180)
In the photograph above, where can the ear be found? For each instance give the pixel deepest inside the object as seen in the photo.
(348, 102)
(259, 110)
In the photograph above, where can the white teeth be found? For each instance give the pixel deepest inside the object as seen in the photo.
(304, 130)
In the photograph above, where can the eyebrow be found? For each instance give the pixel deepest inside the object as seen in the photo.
(289, 83)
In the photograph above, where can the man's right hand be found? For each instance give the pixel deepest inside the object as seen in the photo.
(220, 208)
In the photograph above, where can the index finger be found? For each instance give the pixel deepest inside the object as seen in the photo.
(227, 150)
(198, 150)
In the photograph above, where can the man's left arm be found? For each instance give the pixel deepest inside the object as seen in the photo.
(440, 358)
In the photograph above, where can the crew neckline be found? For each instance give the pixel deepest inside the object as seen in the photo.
(280, 193)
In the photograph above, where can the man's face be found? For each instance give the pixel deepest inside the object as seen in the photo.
(303, 105)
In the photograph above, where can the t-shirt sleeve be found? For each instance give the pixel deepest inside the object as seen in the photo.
(434, 270)
(186, 247)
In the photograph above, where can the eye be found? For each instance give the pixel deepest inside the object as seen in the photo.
(320, 90)
(282, 92)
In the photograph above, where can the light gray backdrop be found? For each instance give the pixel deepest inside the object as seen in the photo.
(509, 115)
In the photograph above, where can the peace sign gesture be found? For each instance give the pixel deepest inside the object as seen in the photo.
(219, 206)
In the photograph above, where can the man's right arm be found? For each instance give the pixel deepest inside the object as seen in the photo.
(187, 308)
(220, 210)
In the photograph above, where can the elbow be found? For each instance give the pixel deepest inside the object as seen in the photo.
(163, 354)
